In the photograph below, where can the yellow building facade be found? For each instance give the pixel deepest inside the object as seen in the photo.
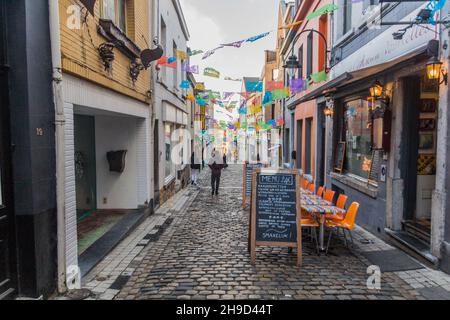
(80, 46)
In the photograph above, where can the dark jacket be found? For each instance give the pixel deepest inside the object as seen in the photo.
(216, 169)
(193, 164)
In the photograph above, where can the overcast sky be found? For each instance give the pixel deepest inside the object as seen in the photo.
(213, 22)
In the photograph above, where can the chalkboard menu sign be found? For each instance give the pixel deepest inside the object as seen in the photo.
(374, 172)
(275, 210)
(249, 168)
(340, 157)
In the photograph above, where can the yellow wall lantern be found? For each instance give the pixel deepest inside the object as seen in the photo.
(376, 90)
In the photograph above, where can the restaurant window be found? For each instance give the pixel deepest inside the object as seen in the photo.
(168, 141)
(115, 10)
(358, 138)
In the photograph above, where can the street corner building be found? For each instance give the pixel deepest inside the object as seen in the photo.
(172, 114)
(77, 106)
(88, 124)
(376, 128)
(106, 107)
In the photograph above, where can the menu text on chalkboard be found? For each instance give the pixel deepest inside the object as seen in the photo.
(276, 208)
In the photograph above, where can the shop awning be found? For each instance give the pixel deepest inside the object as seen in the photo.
(354, 76)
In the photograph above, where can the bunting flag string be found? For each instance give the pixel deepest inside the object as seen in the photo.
(323, 10)
(181, 55)
(211, 72)
(185, 84)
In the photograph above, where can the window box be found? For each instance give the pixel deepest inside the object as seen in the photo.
(113, 34)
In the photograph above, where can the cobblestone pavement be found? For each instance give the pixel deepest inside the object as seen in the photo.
(195, 247)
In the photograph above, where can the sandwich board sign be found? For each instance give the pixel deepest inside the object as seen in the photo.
(249, 168)
(275, 211)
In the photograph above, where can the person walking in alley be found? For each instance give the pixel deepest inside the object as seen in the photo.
(225, 164)
(195, 169)
(216, 166)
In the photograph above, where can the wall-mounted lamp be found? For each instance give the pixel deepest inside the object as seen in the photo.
(434, 70)
(328, 111)
(329, 106)
(376, 90)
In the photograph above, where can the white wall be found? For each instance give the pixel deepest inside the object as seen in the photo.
(69, 189)
(120, 189)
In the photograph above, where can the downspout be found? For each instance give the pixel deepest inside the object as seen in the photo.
(60, 145)
(154, 33)
(153, 16)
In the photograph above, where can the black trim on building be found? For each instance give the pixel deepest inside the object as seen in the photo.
(33, 156)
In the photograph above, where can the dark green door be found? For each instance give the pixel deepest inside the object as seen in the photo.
(85, 165)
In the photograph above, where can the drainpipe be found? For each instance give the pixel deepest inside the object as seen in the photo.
(60, 146)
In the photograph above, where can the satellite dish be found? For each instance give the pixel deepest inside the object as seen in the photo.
(150, 55)
(90, 5)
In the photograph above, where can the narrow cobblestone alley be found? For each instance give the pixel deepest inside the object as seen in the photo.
(195, 247)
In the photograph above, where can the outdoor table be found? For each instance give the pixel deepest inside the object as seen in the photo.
(314, 204)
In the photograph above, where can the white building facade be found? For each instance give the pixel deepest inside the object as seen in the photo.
(170, 110)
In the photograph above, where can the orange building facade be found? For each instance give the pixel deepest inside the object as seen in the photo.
(308, 42)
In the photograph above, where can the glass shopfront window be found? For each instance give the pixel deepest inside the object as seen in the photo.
(358, 138)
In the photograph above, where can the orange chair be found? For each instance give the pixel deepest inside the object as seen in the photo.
(320, 191)
(305, 184)
(329, 195)
(347, 225)
(312, 187)
(341, 201)
(310, 222)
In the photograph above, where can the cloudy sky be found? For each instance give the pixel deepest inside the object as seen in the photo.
(213, 22)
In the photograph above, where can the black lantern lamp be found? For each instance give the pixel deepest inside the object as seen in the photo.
(292, 65)
(376, 90)
(434, 70)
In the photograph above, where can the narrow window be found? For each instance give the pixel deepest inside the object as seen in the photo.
(309, 58)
